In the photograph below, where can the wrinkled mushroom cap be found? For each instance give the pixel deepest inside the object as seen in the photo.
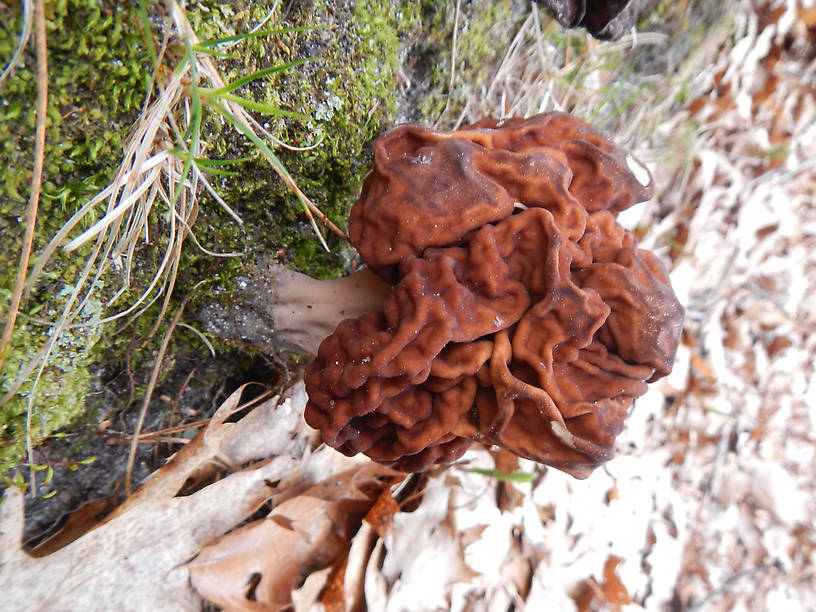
(522, 314)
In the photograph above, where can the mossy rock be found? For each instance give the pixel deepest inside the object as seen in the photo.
(98, 75)
(370, 65)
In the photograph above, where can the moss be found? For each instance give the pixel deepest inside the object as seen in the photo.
(349, 92)
(481, 24)
(62, 387)
(363, 55)
(97, 78)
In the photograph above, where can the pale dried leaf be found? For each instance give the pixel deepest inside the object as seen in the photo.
(354, 579)
(134, 559)
(302, 535)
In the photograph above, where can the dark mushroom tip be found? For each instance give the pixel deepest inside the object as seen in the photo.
(603, 19)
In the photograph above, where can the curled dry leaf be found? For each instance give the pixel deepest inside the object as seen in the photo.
(134, 559)
(259, 565)
(351, 580)
(612, 591)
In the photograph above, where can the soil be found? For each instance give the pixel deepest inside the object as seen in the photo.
(190, 393)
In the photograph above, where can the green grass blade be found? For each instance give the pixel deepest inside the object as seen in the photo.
(144, 20)
(618, 110)
(254, 138)
(268, 153)
(514, 477)
(193, 132)
(214, 52)
(260, 33)
(256, 106)
(260, 74)
(208, 163)
(213, 169)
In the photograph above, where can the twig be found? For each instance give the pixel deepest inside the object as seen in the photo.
(176, 254)
(143, 437)
(169, 430)
(452, 64)
(180, 392)
(290, 147)
(154, 377)
(33, 204)
(728, 584)
(201, 337)
(36, 176)
(22, 43)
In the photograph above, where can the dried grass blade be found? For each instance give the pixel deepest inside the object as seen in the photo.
(114, 215)
(36, 177)
(154, 377)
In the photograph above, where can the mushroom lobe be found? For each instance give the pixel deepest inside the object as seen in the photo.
(522, 313)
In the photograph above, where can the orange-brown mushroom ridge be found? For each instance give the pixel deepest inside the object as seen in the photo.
(522, 313)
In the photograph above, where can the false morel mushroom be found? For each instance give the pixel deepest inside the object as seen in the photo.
(521, 314)
(603, 19)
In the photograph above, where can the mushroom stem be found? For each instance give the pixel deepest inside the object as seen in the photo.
(306, 310)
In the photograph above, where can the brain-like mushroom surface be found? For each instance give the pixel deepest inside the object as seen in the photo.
(522, 314)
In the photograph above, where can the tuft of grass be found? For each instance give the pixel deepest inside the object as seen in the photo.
(624, 87)
(163, 167)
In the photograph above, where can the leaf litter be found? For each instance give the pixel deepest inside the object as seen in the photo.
(133, 559)
(710, 504)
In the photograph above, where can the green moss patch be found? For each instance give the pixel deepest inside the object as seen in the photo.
(370, 64)
(97, 79)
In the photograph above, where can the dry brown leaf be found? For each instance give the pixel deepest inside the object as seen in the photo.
(375, 585)
(613, 589)
(381, 515)
(307, 597)
(808, 16)
(424, 556)
(80, 522)
(259, 565)
(356, 563)
(517, 569)
(334, 597)
(134, 559)
(346, 592)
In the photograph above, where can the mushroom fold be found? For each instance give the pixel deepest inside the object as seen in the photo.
(522, 314)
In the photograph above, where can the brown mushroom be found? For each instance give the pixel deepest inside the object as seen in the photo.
(521, 314)
(604, 19)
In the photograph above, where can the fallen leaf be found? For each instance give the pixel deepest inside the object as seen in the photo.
(81, 521)
(424, 557)
(612, 587)
(302, 535)
(381, 515)
(355, 565)
(134, 559)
